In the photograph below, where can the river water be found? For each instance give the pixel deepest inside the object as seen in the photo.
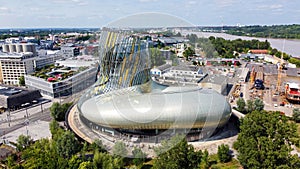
(289, 46)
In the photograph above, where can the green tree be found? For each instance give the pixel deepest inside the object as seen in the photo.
(55, 130)
(119, 149)
(105, 160)
(67, 145)
(250, 106)
(265, 141)
(258, 105)
(74, 162)
(86, 165)
(139, 156)
(241, 105)
(223, 153)
(177, 153)
(97, 145)
(156, 57)
(58, 111)
(22, 81)
(23, 142)
(43, 154)
(296, 115)
(205, 160)
(188, 52)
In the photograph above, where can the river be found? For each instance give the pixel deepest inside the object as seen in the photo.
(290, 46)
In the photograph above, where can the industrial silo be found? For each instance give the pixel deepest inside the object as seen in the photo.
(5, 48)
(19, 48)
(26, 48)
(12, 48)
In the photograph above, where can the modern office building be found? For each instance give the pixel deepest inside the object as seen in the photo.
(69, 50)
(125, 101)
(64, 79)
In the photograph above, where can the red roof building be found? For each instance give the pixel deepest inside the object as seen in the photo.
(259, 51)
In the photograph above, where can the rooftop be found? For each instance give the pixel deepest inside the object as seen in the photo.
(57, 73)
(164, 67)
(8, 91)
(186, 68)
(23, 55)
(268, 69)
(293, 72)
(215, 79)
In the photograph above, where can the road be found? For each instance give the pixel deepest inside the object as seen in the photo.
(23, 122)
(18, 119)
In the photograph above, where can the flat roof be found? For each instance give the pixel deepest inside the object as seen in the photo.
(215, 79)
(8, 91)
(186, 68)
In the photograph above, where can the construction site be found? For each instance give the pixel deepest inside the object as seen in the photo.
(276, 85)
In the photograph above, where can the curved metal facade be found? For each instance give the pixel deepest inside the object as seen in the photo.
(125, 97)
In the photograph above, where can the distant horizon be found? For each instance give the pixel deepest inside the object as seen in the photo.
(150, 27)
(94, 14)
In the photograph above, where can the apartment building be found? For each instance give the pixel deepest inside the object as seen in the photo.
(15, 65)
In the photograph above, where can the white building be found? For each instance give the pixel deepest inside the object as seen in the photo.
(69, 51)
(15, 65)
(160, 70)
(80, 79)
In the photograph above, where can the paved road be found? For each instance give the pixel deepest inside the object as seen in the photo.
(22, 122)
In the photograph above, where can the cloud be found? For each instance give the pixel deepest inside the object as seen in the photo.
(5, 11)
(65, 1)
(225, 3)
(192, 2)
(274, 7)
(148, 0)
(53, 16)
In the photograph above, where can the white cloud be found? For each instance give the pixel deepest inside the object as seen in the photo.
(192, 2)
(225, 3)
(3, 9)
(274, 7)
(148, 0)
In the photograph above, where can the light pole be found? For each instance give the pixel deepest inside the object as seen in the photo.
(42, 107)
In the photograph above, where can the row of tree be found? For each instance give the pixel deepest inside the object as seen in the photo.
(250, 106)
(213, 47)
(274, 31)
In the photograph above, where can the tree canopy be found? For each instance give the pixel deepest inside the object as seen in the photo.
(67, 144)
(296, 115)
(265, 141)
(119, 149)
(241, 105)
(274, 31)
(177, 153)
(22, 81)
(223, 153)
(58, 111)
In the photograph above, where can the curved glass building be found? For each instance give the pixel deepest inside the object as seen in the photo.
(125, 100)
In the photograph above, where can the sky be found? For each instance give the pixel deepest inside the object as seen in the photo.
(99, 13)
